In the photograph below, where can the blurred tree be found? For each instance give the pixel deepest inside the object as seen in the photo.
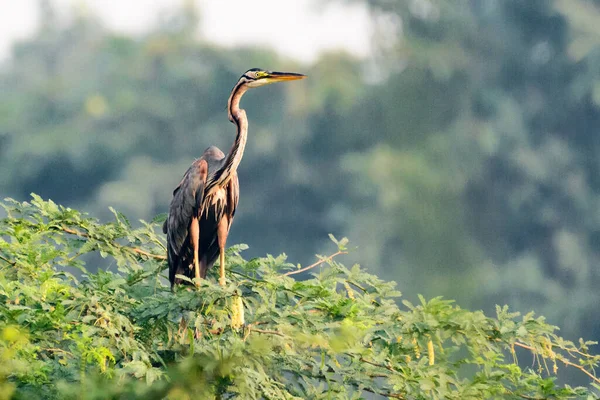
(498, 139)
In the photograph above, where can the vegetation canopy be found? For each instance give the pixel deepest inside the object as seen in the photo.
(68, 332)
(464, 148)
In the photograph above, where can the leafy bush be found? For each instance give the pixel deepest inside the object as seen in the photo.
(68, 332)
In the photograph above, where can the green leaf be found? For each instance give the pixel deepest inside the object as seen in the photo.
(122, 333)
(160, 218)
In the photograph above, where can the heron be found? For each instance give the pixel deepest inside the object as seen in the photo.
(204, 202)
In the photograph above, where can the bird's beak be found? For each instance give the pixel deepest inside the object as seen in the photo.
(284, 76)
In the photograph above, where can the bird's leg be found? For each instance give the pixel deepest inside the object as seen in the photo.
(195, 236)
(222, 266)
(222, 232)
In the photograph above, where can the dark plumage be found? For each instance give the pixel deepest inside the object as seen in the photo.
(187, 203)
(204, 202)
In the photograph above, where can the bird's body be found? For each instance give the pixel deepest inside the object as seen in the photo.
(217, 206)
(204, 202)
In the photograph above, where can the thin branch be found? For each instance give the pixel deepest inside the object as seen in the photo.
(74, 232)
(7, 260)
(563, 360)
(246, 276)
(357, 286)
(524, 396)
(53, 350)
(570, 351)
(266, 331)
(389, 368)
(377, 375)
(147, 254)
(579, 367)
(321, 261)
(389, 395)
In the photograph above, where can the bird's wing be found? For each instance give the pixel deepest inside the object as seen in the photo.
(165, 227)
(186, 203)
(233, 193)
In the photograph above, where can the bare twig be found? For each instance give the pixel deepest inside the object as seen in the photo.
(524, 396)
(321, 261)
(357, 286)
(7, 260)
(563, 360)
(388, 395)
(571, 351)
(581, 368)
(246, 276)
(388, 367)
(74, 232)
(266, 331)
(147, 254)
(53, 350)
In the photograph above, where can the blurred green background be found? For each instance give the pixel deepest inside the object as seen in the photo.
(461, 156)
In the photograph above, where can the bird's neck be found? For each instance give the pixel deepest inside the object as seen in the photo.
(237, 149)
(238, 117)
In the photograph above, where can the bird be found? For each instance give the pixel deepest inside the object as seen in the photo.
(204, 203)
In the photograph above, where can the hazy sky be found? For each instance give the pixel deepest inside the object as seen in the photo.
(298, 28)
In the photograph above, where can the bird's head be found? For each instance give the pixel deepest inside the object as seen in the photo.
(252, 78)
(256, 77)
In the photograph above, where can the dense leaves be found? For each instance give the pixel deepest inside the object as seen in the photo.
(466, 146)
(121, 333)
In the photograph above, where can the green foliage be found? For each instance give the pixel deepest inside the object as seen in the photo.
(466, 147)
(121, 333)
